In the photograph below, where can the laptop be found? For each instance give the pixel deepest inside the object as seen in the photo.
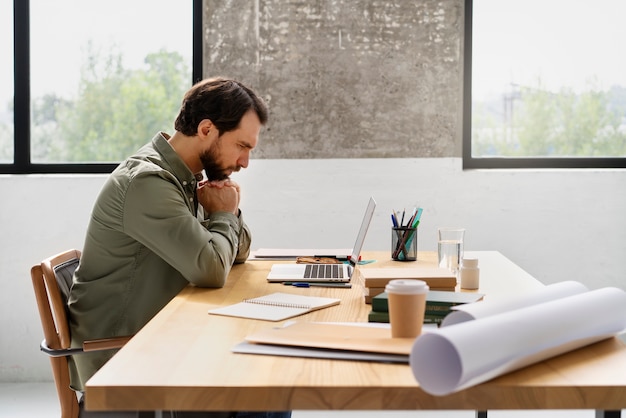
(325, 272)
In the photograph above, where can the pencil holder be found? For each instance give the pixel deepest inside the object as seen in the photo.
(404, 243)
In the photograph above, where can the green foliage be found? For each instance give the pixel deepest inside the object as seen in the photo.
(116, 112)
(487, 134)
(6, 143)
(6, 133)
(563, 124)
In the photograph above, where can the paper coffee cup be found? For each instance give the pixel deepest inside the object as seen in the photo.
(407, 304)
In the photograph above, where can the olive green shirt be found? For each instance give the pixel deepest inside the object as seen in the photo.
(145, 242)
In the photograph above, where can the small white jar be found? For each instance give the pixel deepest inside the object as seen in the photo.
(470, 273)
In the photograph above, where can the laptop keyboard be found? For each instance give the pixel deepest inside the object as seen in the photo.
(323, 271)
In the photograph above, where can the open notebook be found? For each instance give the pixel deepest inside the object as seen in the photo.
(326, 272)
(275, 307)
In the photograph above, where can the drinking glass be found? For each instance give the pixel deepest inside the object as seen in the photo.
(450, 248)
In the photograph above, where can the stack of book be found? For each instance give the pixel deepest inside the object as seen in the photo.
(438, 305)
(375, 279)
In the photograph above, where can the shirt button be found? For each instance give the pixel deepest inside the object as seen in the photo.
(184, 182)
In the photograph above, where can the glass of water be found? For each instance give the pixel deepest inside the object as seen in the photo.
(450, 248)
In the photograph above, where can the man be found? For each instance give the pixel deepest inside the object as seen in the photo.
(158, 226)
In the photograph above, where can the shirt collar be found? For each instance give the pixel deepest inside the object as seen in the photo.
(172, 159)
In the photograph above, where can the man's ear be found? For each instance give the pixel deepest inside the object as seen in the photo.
(206, 129)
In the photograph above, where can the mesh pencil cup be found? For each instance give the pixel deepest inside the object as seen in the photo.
(404, 243)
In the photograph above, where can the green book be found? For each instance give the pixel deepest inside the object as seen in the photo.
(383, 317)
(438, 309)
(374, 316)
(433, 319)
(436, 300)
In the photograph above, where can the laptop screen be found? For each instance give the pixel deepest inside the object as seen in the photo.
(360, 238)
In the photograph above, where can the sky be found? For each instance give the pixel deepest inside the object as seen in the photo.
(61, 29)
(561, 42)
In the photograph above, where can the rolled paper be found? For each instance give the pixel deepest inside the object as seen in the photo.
(453, 358)
(470, 311)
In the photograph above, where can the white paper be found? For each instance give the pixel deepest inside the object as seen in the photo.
(454, 357)
(291, 351)
(276, 306)
(265, 253)
(469, 311)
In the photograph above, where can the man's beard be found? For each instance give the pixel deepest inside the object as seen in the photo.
(212, 168)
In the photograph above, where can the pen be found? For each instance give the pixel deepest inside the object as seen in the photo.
(408, 238)
(416, 221)
(328, 284)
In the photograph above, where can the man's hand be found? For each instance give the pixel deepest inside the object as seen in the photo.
(219, 196)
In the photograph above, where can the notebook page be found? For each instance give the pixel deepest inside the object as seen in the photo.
(275, 307)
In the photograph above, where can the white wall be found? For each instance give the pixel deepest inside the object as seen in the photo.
(556, 224)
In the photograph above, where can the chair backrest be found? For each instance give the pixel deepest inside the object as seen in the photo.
(57, 275)
(64, 274)
(52, 280)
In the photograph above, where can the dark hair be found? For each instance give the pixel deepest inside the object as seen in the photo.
(223, 101)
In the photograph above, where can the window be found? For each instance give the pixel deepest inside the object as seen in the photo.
(544, 84)
(93, 81)
(6, 82)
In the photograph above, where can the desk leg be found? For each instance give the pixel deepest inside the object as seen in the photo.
(483, 414)
(608, 414)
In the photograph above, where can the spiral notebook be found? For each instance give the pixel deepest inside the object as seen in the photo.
(275, 307)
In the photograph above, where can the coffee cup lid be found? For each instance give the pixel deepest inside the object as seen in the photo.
(406, 286)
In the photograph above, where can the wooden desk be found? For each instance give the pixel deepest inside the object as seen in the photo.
(181, 360)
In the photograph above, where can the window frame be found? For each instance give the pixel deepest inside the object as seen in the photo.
(21, 117)
(470, 162)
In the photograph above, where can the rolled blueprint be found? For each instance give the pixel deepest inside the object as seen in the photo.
(453, 358)
(469, 311)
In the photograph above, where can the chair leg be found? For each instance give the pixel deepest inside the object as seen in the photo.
(600, 413)
(481, 414)
(67, 397)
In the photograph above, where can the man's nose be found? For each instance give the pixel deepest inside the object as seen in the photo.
(244, 159)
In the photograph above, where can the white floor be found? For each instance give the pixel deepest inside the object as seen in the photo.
(38, 400)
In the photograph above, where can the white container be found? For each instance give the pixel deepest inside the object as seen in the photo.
(469, 273)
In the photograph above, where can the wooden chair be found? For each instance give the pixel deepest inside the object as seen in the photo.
(52, 281)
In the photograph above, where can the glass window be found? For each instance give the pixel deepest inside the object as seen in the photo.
(548, 79)
(6, 82)
(105, 76)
